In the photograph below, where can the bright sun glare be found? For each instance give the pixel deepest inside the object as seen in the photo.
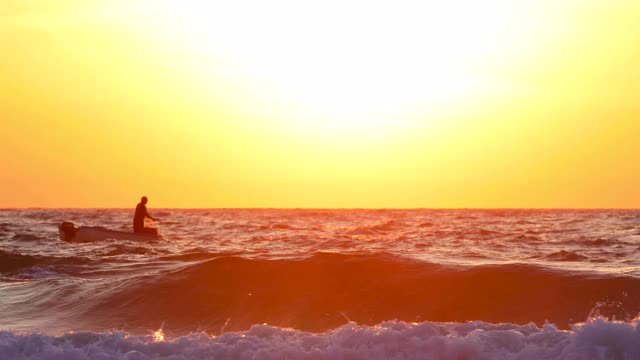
(343, 65)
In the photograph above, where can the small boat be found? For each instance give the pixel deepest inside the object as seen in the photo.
(70, 233)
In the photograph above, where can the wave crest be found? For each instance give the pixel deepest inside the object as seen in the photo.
(598, 339)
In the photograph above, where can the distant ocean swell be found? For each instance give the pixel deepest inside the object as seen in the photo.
(12, 262)
(319, 293)
(597, 339)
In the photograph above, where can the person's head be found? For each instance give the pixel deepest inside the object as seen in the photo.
(143, 200)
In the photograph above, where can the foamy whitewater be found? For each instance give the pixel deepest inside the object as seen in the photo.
(324, 284)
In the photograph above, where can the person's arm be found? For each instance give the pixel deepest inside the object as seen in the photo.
(146, 214)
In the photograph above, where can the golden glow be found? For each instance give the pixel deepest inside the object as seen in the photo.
(285, 103)
(342, 67)
(158, 335)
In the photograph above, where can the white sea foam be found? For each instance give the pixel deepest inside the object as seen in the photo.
(597, 339)
(40, 272)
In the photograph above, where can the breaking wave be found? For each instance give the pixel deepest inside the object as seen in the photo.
(326, 290)
(596, 339)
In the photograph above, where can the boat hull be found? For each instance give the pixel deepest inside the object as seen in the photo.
(91, 234)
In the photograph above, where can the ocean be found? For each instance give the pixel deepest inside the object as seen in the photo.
(323, 284)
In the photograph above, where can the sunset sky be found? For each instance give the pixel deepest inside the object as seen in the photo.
(349, 104)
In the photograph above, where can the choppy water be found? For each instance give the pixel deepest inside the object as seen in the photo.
(326, 284)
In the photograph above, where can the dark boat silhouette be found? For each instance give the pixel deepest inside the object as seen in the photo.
(70, 233)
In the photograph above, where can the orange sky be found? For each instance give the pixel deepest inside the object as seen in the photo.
(339, 104)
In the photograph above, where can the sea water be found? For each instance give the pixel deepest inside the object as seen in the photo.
(324, 284)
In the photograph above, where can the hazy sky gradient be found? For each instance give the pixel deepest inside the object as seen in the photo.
(338, 104)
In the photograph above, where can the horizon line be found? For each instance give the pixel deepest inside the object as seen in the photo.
(321, 208)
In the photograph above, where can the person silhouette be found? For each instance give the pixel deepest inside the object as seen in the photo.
(140, 215)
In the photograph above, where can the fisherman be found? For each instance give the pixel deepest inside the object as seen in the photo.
(138, 218)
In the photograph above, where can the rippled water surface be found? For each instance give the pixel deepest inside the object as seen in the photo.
(597, 240)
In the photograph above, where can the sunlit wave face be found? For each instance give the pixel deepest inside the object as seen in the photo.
(339, 66)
